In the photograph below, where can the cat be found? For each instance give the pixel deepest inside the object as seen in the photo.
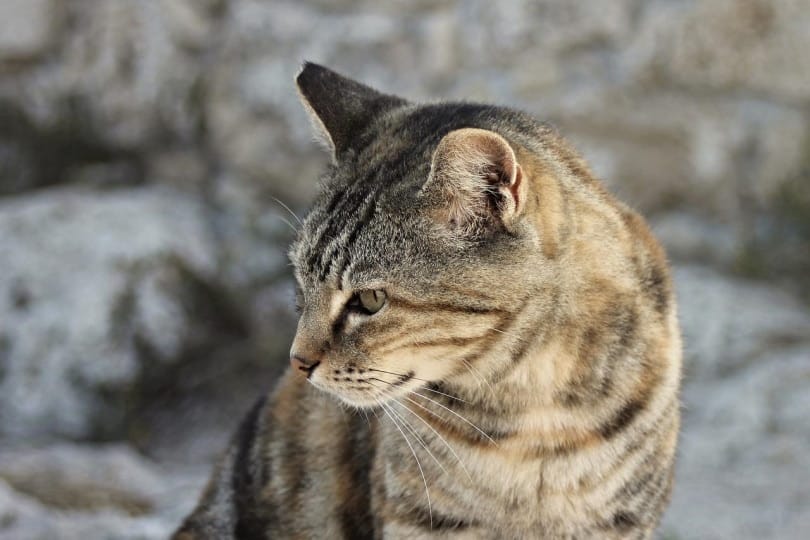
(487, 347)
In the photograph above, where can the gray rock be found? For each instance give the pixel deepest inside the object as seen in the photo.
(88, 280)
(86, 479)
(729, 323)
(721, 158)
(116, 307)
(732, 44)
(743, 468)
(127, 69)
(77, 492)
(26, 28)
(691, 238)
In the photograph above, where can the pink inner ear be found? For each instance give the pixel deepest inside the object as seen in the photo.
(514, 188)
(478, 172)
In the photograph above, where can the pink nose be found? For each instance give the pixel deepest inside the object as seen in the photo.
(303, 365)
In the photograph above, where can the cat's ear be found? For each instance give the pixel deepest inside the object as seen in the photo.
(340, 107)
(478, 180)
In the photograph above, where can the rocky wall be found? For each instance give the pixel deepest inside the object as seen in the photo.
(148, 148)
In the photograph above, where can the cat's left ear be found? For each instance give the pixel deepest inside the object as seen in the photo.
(478, 180)
(340, 108)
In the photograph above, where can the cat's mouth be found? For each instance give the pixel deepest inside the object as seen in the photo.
(363, 387)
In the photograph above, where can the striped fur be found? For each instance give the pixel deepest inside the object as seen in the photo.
(522, 379)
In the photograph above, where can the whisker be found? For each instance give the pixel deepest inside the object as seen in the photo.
(399, 375)
(477, 374)
(439, 435)
(413, 432)
(287, 221)
(451, 411)
(422, 388)
(365, 415)
(443, 394)
(507, 334)
(287, 208)
(419, 465)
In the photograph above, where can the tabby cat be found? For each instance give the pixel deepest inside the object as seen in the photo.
(487, 347)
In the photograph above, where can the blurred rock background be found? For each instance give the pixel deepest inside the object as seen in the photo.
(147, 150)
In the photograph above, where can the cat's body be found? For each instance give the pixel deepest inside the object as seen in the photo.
(483, 305)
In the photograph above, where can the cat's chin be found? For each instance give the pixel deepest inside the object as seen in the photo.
(355, 399)
(365, 400)
(361, 404)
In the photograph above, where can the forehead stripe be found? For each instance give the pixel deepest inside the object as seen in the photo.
(330, 226)
(342, 245)
(341, 203)
(329, 242)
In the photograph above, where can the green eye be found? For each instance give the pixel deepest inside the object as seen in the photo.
(371, 301)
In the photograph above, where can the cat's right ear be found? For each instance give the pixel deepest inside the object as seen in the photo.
(478, 182)
(340, 108)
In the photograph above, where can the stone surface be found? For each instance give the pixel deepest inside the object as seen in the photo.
(147, 150)
(729, 324)
(743, 469)
(26, 28)
(751, 44)
(743, 466)
(77, 492)
(87, 280)
(722, 158)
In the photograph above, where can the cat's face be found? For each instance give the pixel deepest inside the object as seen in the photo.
(416, 253)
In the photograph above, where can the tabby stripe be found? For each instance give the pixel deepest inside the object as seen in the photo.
(354, 483)
(350, 224)
(602, 351)
(321, 230)
(342, 198)
(575, 441)
(622, 418)
(247, 475)
(630, 410)
(451, 427)
(644, 435)
(445, 306)
(330, 229)
(439, 342)
(293, 452)
(331, 225)
(372, 178)
(468, 293)
(503, 330)
(655, 478)
(396, 330)
(527, 340)
(404, 511)
(370, 206)
(506, 319)
(624, 325)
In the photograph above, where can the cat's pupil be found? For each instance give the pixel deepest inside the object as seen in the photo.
(372, 300)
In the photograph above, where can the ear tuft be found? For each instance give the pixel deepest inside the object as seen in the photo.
(340, 107)
(479, 180)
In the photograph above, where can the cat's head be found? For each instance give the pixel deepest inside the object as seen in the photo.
(424, 243)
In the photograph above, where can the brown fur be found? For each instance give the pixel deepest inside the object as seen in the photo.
(521, 380)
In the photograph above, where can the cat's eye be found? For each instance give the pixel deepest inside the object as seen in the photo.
(368, 301)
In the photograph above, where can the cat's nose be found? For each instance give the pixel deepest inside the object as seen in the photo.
(304, 365)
